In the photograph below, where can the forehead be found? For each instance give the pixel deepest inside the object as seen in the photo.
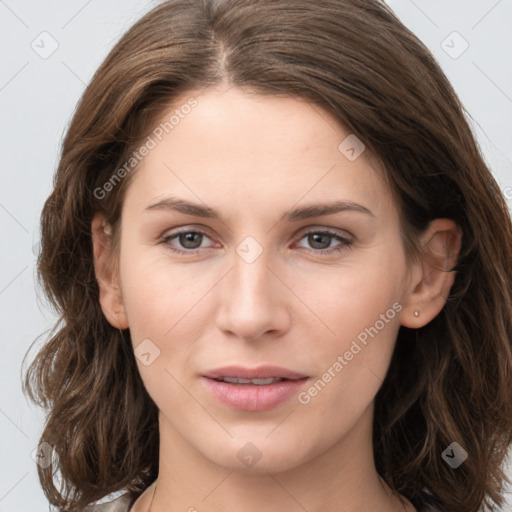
(234, 146)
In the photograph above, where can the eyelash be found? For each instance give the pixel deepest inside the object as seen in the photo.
(345, 242)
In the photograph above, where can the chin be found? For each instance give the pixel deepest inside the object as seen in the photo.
(258, 454)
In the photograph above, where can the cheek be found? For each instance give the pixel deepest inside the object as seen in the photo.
(156, 293)
(350, 367)
(355, 296)
(361, 308)
(157, 299)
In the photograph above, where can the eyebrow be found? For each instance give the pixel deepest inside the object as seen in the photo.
(301, 213)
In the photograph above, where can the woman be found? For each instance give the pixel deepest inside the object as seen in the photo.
(283, 270)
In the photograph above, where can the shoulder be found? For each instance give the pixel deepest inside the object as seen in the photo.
(120, 504)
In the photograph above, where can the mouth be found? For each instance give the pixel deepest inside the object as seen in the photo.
(257, 382)
(256, 389)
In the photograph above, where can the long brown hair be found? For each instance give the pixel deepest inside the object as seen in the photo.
(450, 381)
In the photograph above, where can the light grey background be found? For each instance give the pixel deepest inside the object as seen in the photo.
(37, 99)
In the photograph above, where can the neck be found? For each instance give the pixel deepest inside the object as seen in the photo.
(343, 478)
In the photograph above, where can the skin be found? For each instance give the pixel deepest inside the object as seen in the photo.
(253, 158)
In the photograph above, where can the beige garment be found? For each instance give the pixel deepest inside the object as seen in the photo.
(120, 504)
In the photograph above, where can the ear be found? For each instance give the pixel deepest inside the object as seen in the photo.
(110, 293)
(432, 276)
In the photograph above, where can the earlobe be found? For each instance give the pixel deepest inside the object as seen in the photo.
(110, 293)
(434, 274)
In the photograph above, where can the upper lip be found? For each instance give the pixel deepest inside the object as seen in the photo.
(260, 372)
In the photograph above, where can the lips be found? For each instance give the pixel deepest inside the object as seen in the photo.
(262, 372)
(257, 382)
(253, 389)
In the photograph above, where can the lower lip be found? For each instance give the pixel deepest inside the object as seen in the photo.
(251, 397)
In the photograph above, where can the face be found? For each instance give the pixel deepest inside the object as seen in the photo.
(267, 285)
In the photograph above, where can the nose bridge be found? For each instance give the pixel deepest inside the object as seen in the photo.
(250, 273)
(250, 299)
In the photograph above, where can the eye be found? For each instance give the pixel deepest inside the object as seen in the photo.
(321, 241)
(191, 241)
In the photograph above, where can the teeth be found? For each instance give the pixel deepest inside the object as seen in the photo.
(258, 382)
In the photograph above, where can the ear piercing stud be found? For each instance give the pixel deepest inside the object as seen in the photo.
(416, 313)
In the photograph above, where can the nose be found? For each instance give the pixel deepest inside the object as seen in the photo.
(254, 303)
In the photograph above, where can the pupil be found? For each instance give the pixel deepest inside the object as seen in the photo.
(187, 238)
(315, 238)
